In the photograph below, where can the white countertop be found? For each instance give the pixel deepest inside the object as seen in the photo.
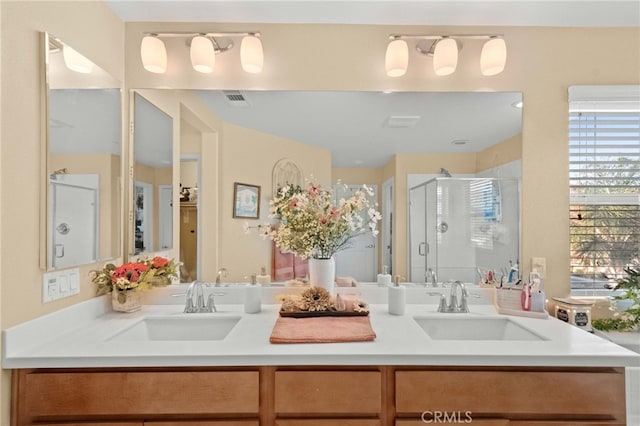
(78, 336)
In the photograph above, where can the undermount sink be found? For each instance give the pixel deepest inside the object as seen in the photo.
(475, 328)
(183, 327)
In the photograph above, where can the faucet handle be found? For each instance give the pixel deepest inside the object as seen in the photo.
(189, 307)
(210, 306)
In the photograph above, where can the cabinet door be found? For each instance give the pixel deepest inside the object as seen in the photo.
(63, 395)
(93, 424)
(460, 420)
(328, 422)
(204, 423)
(561, 423)
(514, 394)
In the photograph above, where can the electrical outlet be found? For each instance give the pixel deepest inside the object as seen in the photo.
(539, 265)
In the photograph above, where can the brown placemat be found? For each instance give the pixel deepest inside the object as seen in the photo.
(322, 330)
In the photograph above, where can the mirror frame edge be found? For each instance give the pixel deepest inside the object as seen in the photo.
(44, 153)
(45, 144)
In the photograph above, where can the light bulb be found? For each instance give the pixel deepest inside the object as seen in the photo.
(396, 59)
(203, 55)
(75, 61)
(493, 57)
(251, 54)
(445, 57)
(153, 54)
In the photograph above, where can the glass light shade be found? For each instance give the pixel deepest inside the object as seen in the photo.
(396, 59)
(445, 57)
(493, 57)
(75, 61)
(251, 54)
(203, 55)
(153, 54)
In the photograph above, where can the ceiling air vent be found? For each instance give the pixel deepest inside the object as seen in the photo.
(235, 98)
(398, 121)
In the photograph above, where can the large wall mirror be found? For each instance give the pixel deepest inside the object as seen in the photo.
(83, 113)
(152, 177)
(479, 131)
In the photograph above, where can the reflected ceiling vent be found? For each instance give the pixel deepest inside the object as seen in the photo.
(399, 121)
(235, 98)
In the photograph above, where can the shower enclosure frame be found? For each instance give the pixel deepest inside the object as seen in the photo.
(487, 225)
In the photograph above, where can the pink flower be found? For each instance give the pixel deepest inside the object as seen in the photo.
(130, 271)
(159, 262)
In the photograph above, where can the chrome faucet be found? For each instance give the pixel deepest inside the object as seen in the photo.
(222, 272)
(431, 274)
(200, 305)
(454, 306)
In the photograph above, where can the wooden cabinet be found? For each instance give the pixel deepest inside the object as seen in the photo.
(534, 394)
(322, 392)
(319, 396)
(50, 395)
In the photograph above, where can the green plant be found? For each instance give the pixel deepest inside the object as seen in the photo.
(628, 319)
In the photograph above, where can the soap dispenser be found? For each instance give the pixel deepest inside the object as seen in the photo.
(397, 297)
(384, 279)
(253, 297)
(263, 278)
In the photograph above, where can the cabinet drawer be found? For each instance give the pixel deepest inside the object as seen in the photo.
(311, 392)
(584, 394)
(327, 422)
(203, 423)
(48, 395)
(462, 419)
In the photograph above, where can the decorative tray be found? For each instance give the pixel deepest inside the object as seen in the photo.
(307, 314)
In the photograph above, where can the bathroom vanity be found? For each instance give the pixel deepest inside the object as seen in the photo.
(86, 364)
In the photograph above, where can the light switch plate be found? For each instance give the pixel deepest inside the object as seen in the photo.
(59, 284)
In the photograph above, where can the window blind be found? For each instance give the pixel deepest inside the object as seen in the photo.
(604, 181)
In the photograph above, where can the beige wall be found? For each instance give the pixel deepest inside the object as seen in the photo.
(89, 27)
(501, 153)
(249, 157)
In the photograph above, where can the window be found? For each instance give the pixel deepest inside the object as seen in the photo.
(604, 181)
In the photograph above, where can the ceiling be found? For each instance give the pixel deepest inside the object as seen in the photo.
(365, 129)
(390, 12)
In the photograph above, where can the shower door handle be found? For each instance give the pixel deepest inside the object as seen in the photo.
(422, 249)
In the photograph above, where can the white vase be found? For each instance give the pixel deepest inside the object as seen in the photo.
(322, 273)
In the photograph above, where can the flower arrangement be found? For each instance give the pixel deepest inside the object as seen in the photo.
(141, 274)
(318, 299)
(628, 319)
(311, 225)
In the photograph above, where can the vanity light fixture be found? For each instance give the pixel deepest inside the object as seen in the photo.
(444, 50)
(76, 61)
(203, 47)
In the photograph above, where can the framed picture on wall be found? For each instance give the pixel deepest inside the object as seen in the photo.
(246, 202)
